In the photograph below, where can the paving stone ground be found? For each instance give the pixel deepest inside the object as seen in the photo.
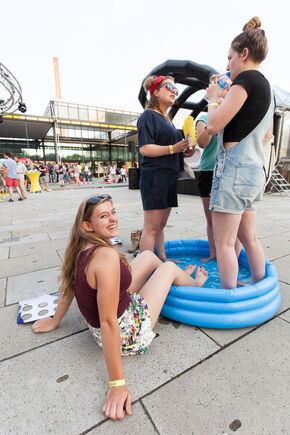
(192, 381)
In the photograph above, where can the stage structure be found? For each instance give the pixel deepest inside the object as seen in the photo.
(14, 100)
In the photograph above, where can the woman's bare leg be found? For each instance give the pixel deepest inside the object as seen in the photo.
(208, 215)
(225, 229)
(238, 247)
(141, 268)
(159, 238)
(155, 290)
(255, 254)
(152, 221)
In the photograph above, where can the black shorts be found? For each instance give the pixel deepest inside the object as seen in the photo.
(204, 183)
(158, 189)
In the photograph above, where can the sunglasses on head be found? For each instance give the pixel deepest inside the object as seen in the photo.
(97, 199)
(170, 87)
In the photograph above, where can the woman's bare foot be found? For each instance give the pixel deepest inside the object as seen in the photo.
(201, 276)
(205, 260)
(242, 283)
(190, 269)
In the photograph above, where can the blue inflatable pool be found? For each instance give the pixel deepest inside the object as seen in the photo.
(219, 308)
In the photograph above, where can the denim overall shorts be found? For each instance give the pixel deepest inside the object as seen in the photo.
(239, 178)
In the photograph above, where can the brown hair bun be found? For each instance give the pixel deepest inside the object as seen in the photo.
(254, 39)
(254, 23)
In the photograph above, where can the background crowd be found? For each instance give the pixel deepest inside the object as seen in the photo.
(13, 174)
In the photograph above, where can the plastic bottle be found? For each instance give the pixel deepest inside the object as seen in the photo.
(223, 80)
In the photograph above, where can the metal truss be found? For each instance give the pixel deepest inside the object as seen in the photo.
(14, 101)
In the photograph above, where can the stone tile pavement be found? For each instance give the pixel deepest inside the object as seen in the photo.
(192, 381)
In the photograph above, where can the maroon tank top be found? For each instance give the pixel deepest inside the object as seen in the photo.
(87, 297)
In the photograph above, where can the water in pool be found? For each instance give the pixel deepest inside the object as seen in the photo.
(212, 269)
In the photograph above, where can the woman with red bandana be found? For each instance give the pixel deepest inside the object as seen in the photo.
(160, 145)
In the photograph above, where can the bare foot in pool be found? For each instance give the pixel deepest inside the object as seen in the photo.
(190, 269)
(201, 276)
(242, 284)
(205, 260)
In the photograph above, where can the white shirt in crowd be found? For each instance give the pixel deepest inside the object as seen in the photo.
(20, 168)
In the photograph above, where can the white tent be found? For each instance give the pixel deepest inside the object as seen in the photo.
(282, 97)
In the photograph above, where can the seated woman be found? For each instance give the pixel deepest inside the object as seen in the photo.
(100, 277)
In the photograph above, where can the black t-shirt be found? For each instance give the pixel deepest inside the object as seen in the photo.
(60, 169)
(154, 129)
(254, 108)
(42, 171)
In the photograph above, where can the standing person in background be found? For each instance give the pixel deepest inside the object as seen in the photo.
(160, 145)
(44, 177)
(209, 145)
(55, 168)
(51, 173)
(113, 173)
(11, 176)
(26, 179)
(123, 174)
(86, 172)
(204, 181)
(66, 172)
(242, 121)
(20, 171)
(46, 173)
(2, 179)
(61, 175)
(78, 170)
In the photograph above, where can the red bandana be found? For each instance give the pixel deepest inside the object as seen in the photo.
(156, 84)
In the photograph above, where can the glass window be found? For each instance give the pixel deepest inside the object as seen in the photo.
(101, 116)
(114, 118)
(73, 113)
(83, 113)
(62, 111)
(93, 115)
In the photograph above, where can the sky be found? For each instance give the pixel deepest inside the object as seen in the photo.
(106, 48)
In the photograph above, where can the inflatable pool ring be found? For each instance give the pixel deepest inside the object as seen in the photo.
(221, 308)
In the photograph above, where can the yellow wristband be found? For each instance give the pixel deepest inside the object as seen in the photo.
(171, 151)
(117, 383)
(213, 104)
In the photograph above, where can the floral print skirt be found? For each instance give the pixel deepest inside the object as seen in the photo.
(135, 328)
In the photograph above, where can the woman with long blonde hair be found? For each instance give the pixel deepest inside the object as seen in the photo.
(120, 303)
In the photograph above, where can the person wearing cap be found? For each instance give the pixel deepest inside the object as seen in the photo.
(160, 145)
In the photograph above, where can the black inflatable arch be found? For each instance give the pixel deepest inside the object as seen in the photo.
(194, 75)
